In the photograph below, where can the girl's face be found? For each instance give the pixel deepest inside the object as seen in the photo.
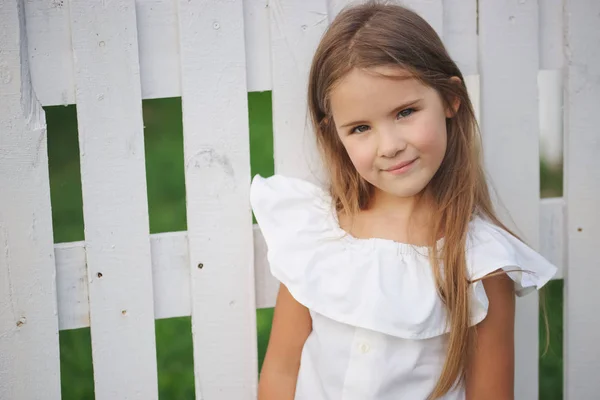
(394, 130)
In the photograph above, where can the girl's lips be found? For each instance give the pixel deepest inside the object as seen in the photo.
(402, 167)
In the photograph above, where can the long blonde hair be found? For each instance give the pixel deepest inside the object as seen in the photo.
(378, 34)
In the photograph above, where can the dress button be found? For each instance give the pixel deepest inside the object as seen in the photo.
(364, 348)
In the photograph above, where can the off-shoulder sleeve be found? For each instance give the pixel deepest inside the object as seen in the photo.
(491, 248)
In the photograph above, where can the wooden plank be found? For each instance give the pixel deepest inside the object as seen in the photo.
(550, 94)
(219, 219)
(29, 348)
(553, 240)
(170, 271)
(551, 34)
(158, 48)
(72, 286)
(550, 82)
(296, 28)
(582, 188)
(460, 34)
(171, 274)
(258, 45)
(267, 286)
(508, 67)
(50, 51)
(111, 142)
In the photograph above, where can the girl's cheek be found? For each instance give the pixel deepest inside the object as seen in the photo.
(432, 138)
(360, 157)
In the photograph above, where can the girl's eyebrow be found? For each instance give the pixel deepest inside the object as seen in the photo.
(395, 110)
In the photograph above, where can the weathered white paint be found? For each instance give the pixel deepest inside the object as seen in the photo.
(551, 34)
(296, 28)
(550, 82)
(50, 51)
(550, 95)
(171, 274)
(258, 45)
(266, 285)
(219, 219)
(159, 48)
(553, 241)
(473, 83)
(29, 357)
(460, 34)
(113, 177)
(509, 119)
(582, 190)
(72, 285)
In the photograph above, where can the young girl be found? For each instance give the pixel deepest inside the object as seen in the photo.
(398, 281)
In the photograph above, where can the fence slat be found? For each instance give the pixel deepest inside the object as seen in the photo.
(29, 348)
(460, 34)
(217, 178)
(258, 45)
(553, 240)
(158, 48)
(115, 210)
(508, 32)
(296, 28)
(267, 286)
(550, 82)
(551, 34)
(50, 51)
(171, 274)
(582, 122)
(72, 285)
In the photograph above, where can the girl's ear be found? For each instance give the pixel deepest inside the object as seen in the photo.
(451, 111)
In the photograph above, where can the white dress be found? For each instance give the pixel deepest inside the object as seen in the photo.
(379, 328)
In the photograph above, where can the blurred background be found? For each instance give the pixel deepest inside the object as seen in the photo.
(166, 202)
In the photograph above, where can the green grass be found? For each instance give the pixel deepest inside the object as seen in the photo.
(166, 204)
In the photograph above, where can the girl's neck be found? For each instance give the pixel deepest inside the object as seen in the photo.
(414, 208)
(401, 219)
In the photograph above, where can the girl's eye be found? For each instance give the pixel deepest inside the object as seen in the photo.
(360, 129)
(406, 113)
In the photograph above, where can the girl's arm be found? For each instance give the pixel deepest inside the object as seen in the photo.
(490, 374)
(291, 326)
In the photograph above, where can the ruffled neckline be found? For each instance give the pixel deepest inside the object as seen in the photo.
(375, 283)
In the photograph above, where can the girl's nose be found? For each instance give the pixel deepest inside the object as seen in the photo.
(391, 142)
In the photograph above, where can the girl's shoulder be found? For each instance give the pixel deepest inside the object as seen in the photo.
(375, 284)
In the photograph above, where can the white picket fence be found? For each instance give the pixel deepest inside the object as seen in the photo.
(106, 56)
